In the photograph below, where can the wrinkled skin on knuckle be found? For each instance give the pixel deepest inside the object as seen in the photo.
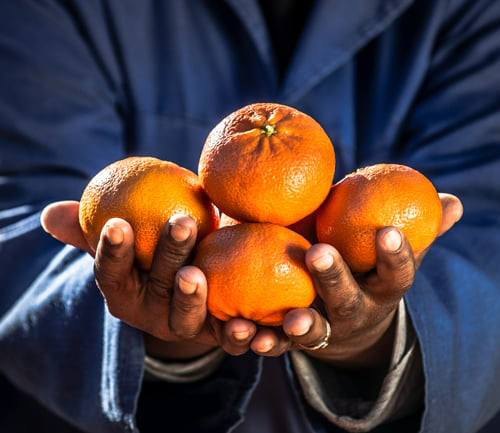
(106, 281)
(174, 256)
(332, 276)
(187, 307)
(407, 281)
(406, 272)
(347, 309)
(404, 259)
(160, 287)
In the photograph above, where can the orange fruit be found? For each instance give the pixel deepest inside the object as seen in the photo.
(305, 227)
(255, 271)
(374, 197)
(267, 163)
(145, 192)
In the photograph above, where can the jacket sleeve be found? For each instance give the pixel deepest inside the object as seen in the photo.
(452, 133)
(59, 124)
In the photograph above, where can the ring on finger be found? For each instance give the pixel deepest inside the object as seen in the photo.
(323, 343)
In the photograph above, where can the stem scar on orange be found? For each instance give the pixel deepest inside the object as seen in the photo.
(145, 192)
(375, 197)
(267, 163)
(255, 271)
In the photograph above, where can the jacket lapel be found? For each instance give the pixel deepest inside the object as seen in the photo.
(335, 31)
(248, 11)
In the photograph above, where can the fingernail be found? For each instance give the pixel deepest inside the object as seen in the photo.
(114, 235)
(266, 347)
(241, 335)
(392, 240)
(302, 327)
(323, 262)
(179, 232)
(186, 287)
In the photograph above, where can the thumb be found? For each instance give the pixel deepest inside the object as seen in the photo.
(60, 220)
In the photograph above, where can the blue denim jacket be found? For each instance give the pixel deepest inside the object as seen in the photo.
(87, 82)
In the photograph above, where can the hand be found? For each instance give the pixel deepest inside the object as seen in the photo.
(359, 308)
(168, 303)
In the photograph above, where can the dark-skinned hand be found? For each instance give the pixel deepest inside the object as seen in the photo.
(359, 308)
(168, 303)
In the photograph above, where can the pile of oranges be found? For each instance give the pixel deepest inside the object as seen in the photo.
(269, 169)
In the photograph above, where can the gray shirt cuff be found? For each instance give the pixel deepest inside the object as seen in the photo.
(183, 372)
(353, 406)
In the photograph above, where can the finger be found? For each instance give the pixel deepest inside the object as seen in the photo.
(60, 220)
(395, 268)
(238, 334)
(270, 342)
(452, 212)
(305, 326)
(188, 308)
(176, 241)
(114, 263)
(342, 297)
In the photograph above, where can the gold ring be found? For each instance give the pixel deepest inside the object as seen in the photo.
(323, 344)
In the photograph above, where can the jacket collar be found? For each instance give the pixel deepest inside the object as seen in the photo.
(335, 31)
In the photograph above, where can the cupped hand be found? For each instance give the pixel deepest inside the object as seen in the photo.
(168, 302)
(358, 309)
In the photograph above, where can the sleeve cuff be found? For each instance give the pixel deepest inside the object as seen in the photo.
(337, 399)
(183, 372)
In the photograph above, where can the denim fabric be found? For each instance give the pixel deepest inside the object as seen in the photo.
(86, 82)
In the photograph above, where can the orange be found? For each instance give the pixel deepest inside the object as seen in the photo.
(255, 271)
(374, 197)
(145, 192)
(267, 163)
(305, 227)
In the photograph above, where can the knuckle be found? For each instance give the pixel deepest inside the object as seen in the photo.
(161, 287)
(186, 307)
(406, 280)
(332, 276)
(404, 271)
(174, 255)
(346, 309)
(106, 280)
(403, 259)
